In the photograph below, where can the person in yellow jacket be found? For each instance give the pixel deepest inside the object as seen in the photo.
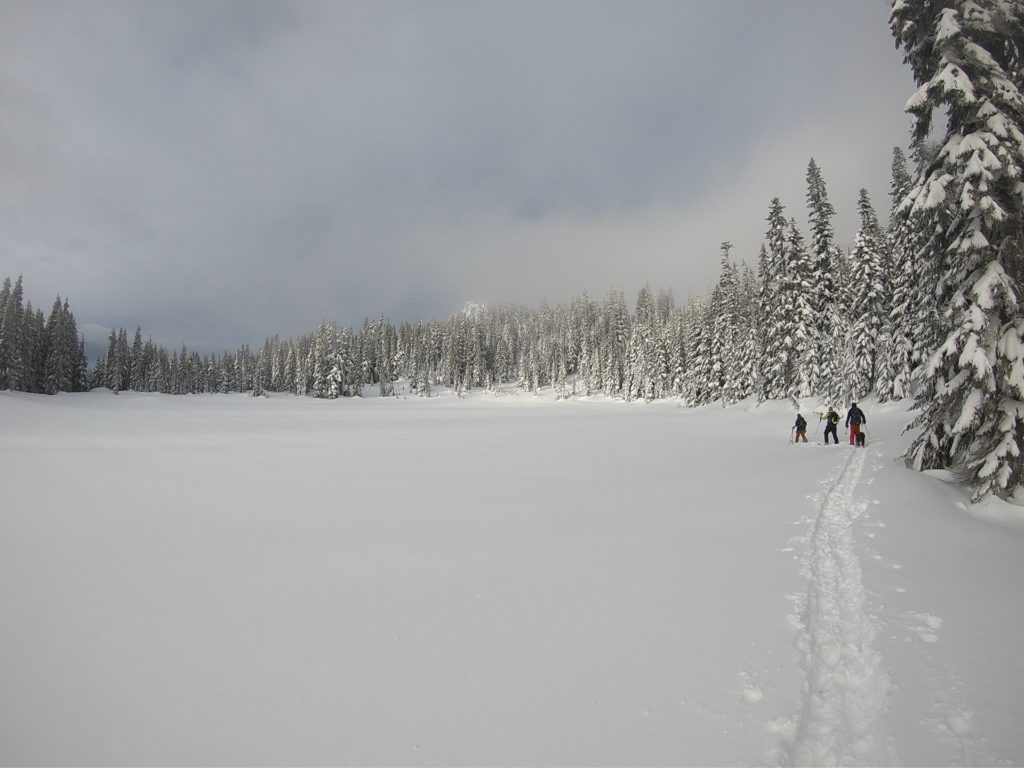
(831, 423)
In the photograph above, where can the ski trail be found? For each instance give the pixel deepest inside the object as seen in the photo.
(845, 686)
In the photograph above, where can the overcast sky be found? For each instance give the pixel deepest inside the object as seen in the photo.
(222, 171)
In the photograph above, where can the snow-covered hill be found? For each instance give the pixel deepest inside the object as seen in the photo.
(222, 579)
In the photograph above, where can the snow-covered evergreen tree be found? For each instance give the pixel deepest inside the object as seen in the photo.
(905, 297)
(301, 379)
(747, 376)
(112, 367)
(58, 354)
(968, 58)
(13, 373)
(825, 255)
(137, 368)
(502, 361)
(615, 337)
(385, 354)
(797, 295)
(34, 347)
(699, 387)
(643, 357)
(868, 309)
(73, 363)
(725, 332)
(319, 358)
(261, 376)
(339, 378)
(277, 362)
(82, 374)
(5, 294)
(777, 366)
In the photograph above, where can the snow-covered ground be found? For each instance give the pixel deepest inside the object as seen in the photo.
(492, 580)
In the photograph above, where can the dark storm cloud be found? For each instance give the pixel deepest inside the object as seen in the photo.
(223, 171)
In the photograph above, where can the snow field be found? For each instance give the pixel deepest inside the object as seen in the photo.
(223, 579)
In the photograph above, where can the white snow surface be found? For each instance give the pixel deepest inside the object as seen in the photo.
(487, 580)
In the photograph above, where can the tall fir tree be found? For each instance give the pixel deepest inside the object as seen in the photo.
(74, 347)
(137, 377)
(867, 310)
(777, 365)
(801, 333)
(616, 336)
(967, 56)
(699, 387)
(34, 330)
(111, 367)
(319, 359)
(5, 295)
(747, 374)
(58, 355)
(642, 355)
(13, 366)
(906, 297)
(725, 331)
(824, 253)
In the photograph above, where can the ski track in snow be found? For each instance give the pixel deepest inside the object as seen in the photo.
(845, 687)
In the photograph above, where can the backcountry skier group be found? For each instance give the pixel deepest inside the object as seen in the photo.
(855, 419)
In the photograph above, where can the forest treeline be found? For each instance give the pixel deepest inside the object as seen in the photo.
(784, 329)
(927, 306)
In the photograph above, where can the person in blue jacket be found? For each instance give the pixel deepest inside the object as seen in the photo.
(801, 428)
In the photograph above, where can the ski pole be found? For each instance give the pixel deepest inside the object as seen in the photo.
(791, 430)
(817, 427)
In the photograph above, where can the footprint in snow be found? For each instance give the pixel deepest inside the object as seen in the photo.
(927, 627)
(960, 722)
(752, 695)
(750, 688)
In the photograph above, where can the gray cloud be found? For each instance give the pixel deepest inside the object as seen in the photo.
(221, 171)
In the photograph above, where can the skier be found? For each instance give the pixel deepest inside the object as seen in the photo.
(854, 418)
(801, 428)
(831, 422)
